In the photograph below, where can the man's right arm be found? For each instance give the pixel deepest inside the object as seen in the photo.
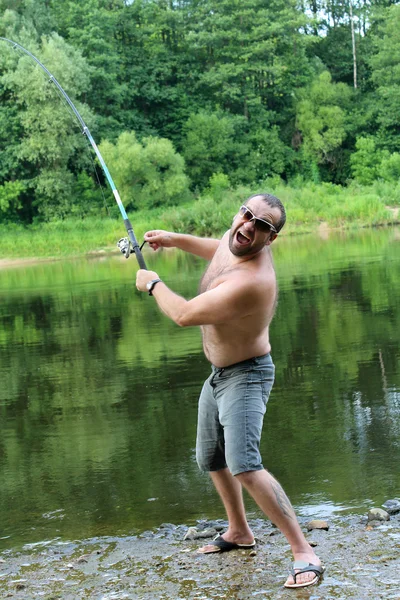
(203, 247)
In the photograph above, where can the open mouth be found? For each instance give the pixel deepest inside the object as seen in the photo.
(242, 239)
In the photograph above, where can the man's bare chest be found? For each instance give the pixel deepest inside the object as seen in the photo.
(215, 270)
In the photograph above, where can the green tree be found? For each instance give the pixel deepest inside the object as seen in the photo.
(251, 52)
(322, 119)
(365, 161)
(385, 65)
(90, 28)
(148, 174)
(212, 145)
(389, 168)
(245, 151)
(49, 140)
(10, 198)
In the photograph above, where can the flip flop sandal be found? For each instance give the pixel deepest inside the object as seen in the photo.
(301, 566)
(225, 546)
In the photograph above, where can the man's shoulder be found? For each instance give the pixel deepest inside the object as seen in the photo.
(254, 281)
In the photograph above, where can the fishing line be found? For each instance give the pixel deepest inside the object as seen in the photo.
(93, 164)
(126, 245)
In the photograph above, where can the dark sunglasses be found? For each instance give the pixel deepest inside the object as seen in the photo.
(259, 224)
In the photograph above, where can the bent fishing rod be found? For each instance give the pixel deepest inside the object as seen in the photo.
(126, 245)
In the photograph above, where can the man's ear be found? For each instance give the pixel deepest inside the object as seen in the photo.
(271, 238)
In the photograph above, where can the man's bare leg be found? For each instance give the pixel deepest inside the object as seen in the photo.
(272, 500)
(230, 492)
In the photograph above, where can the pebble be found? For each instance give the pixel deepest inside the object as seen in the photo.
(20, 586)
(317, 524)
(83, 559)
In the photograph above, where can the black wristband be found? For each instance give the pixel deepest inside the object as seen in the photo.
(151, 284)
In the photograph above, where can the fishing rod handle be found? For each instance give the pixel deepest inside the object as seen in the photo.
(135, 245)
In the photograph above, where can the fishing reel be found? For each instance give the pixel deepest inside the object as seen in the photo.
(125, 247)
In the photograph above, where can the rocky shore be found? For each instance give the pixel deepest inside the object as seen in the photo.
(361, 554)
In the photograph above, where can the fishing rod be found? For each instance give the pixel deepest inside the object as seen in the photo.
(126, 245)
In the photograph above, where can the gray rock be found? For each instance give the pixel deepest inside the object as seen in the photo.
(372, 525)
(207, 533)
(194, 534)
(377, 514)
(170, 526)
(191, 532)
(392, 506)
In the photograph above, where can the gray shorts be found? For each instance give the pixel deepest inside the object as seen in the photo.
(232, 405)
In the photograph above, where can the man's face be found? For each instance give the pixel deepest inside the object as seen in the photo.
(245, 238)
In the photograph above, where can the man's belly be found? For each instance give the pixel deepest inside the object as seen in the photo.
(226, 347)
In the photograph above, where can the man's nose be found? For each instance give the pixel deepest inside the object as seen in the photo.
(249, 225)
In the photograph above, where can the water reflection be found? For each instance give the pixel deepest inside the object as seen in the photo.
(99, 390)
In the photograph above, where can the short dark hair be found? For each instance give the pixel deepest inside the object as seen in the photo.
(273, 202)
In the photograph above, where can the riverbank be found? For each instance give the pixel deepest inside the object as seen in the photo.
(310, 208)
(362, 562)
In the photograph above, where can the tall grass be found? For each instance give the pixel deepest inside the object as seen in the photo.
(308, 205)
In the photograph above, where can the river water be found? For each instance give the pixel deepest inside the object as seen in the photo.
(98, 390)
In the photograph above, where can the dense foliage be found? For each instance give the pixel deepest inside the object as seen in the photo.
(183, 92)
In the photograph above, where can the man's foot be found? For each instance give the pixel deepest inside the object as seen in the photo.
(305, 573)
(222, 544)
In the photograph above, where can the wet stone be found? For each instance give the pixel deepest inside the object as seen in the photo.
(317, 524)
(20, 586)
(207, 533)
(377, 514)
(218, 525)
(169, 526)
(83, 559)
(392, 506)
(191, 532)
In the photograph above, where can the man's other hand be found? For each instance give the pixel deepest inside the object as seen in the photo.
(158, 238)
(143, 277)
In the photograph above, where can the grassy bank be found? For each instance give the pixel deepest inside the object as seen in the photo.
(309, 206)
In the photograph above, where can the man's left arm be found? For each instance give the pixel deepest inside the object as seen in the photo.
(233, 298)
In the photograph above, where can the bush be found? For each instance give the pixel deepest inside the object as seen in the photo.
(10, 194)
(390, 167)
(218, 184)
(148, 174)
(364, 162)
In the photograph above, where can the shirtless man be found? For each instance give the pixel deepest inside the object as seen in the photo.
(234, 309)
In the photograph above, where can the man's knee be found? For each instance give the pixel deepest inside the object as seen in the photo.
(247, 478)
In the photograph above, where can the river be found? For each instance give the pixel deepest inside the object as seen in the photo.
(98, 391)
